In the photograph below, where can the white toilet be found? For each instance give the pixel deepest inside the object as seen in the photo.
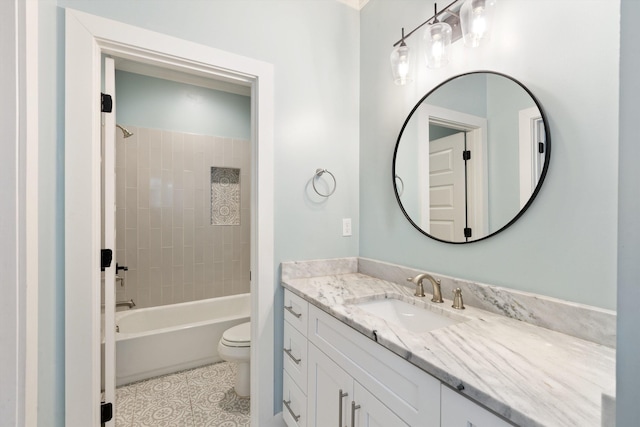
(235, 346)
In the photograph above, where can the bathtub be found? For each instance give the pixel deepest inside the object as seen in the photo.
(161, 340)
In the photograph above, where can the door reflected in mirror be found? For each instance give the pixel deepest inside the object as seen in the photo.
(471, 157)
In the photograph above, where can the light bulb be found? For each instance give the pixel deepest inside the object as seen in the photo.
(437, 39)
(401, 64)
(475, 18)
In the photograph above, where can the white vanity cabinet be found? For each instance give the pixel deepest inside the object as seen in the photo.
(294, 383)
(333, 373)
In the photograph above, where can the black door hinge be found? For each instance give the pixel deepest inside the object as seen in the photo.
(106, 103)
(540, 147)
(467, 232)
(106, 412)
(106, 256)
(466, 155)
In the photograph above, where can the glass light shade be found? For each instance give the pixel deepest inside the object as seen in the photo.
(476, 17)
(401, 64)
(437, 39)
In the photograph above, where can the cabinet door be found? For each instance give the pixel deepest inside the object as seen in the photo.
(330, 391)
(367, 411)
(458, 411)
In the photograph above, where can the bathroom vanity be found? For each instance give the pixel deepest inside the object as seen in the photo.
(345, 365)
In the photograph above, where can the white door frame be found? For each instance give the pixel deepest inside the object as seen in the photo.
(527, 152)
(87, 38)
(19, 212)
(476, 128)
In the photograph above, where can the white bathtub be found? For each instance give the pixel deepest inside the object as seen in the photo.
(161, 340)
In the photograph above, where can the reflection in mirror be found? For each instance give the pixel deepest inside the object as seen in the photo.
(471, 157)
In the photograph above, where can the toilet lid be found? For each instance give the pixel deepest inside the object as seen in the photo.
(238, 336)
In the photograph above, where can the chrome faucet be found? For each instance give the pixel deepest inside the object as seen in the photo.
(437, 294)
(129, 304)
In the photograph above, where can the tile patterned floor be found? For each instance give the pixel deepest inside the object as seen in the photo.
(201, 397)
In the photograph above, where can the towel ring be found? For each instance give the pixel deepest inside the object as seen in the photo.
(401, 182)
(318, 174)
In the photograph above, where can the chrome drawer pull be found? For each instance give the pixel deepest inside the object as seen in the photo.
(341, 395)
(290, 310)
(288, 351)
(353, 413)
(295, 417)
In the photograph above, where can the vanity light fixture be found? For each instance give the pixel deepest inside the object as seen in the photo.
(469, 18)
(401, 63)
(476, 17)
(437, 39)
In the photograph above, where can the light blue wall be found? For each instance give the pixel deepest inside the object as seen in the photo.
(162, 104)
(313, 46)
(628, 350)
(51, 215)
(466, 95)
(504, 100)
(565, 244)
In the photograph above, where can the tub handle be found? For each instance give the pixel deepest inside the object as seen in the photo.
(288, 351)
(290, 310)
(295, 417)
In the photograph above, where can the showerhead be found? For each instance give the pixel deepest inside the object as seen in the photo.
(125, 131)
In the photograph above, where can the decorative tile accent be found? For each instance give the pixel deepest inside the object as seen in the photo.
(200, 397)
(225, 196)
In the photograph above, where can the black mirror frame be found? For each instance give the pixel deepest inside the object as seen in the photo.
(543, 174)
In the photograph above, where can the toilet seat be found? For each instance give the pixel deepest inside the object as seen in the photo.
(238, 336)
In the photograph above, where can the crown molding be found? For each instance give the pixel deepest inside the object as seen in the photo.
(356, 4)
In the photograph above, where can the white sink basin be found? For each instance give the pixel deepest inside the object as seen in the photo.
(413, 318)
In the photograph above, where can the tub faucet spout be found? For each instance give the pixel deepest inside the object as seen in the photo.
(129, 304)
(437, 294)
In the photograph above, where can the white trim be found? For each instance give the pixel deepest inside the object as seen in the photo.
(526, 146)
(87, 37)
(31, 213)
(20, 124)
(108, 171)
(355, 4)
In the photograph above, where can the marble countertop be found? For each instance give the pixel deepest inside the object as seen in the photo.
(530, 375)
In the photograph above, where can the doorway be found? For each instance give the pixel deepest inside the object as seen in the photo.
(87, 38)
(452, 159)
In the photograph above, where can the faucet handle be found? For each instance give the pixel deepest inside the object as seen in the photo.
(457, 299)
(419, 286)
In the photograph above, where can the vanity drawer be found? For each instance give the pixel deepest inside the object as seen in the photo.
(295, 355)
(294, 403)
(458, 411)
(296, 311)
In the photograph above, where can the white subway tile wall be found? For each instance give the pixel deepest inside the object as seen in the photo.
(163, 230)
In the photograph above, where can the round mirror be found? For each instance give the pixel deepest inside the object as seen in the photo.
(471, 157)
